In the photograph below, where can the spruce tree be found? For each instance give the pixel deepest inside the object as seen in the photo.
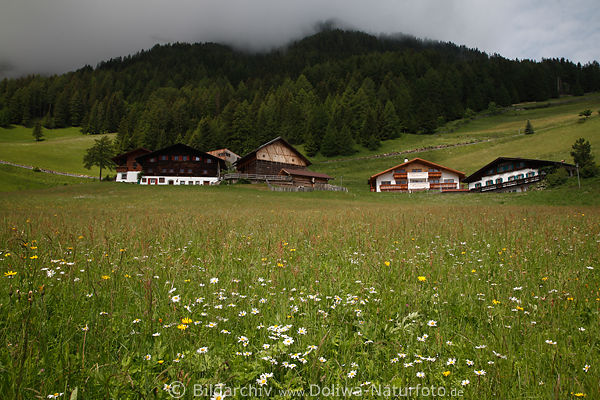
(37, 132)
(100, 155)
(529, 128)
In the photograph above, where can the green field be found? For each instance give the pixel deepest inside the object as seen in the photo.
(61, 150)
(117, 291)
(123, 291)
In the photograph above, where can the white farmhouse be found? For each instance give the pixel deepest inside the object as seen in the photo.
(416, 175)
(506, 174)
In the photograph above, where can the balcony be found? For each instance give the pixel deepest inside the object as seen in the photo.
(443, 186)
(400, 175)
(393, 188)
(436, 174)
(507, 184)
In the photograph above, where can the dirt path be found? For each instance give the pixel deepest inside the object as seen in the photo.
(47, 171)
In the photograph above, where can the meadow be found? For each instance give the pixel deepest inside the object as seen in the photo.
(121, 291)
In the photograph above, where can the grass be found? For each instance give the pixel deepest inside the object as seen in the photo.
(61, 150)
(17, 179)
(116, 291)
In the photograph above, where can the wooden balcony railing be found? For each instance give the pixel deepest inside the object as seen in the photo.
(437, 174)
(393, 188)
(442, 185)
(400, 175)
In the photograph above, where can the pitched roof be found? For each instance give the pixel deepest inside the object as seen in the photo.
(216, 152)
(304, 172)
(461, 175)
(180, 147)
(124, 156)
(475, 176)
(278, 138)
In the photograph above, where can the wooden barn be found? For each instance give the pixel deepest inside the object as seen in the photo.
(305, 178)
(270, 158)
(128, 169)
(180, 165)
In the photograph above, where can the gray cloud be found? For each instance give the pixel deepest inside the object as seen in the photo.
(55, 36)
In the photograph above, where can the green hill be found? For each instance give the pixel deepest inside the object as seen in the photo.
(469, 143)
(61, 150)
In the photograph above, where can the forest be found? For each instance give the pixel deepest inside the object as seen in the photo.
(331, 91)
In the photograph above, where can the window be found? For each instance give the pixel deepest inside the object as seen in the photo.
(181, 170)
(488, 183)
(419, 180)
(402, 181)
(417, 170)
(143, 180)
(434, 170)
(520, 176)
(490, 171)
(186, 158)
(205, 172)
(511, 178)
(150, 170)
(161, 180)
(182, 183)
(499, 180)
(196, 158)
(530, 174)
(189, 170)
(478, 185)
(386, 182)
(164, 170)
(208, 160)
(134, 164)
(164, 158)
(171, 170)
(152, 159)
(434, 181)
(448, 180)
(400, 171)
(124, 175)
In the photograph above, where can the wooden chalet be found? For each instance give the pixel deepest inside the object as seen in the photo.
(508, 174)
(270, 158)
(128, 169)
(180, 164)
(417, 175)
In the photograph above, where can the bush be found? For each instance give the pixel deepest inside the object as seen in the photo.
(556, 178)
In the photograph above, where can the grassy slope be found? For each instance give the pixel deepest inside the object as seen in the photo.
(556, 129)
(14, 179)
(61, 150)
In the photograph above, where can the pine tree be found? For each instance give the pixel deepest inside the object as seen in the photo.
(100, 155)
(329, 146)
(391, 128)
(37, 132)
(529, 128)
(581, 151)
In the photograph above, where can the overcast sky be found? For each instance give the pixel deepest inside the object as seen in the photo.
(54, 36)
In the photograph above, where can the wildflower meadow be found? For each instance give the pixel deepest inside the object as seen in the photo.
(130, 293)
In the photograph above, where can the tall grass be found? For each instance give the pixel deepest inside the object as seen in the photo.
(120, 291)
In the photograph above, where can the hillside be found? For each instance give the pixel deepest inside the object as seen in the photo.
(336, 92)
(473, 142)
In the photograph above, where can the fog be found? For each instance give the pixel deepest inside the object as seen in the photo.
(55, 36)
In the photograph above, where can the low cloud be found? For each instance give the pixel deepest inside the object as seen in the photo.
(56, 36)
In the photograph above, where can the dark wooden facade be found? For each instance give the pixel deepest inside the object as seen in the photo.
(127, 161)
(270, 158)
(306, 178)
(180, 160)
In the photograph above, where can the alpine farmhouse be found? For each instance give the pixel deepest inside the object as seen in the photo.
(506, 174)
(128, 169)
(417, 175)
(180, 165)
